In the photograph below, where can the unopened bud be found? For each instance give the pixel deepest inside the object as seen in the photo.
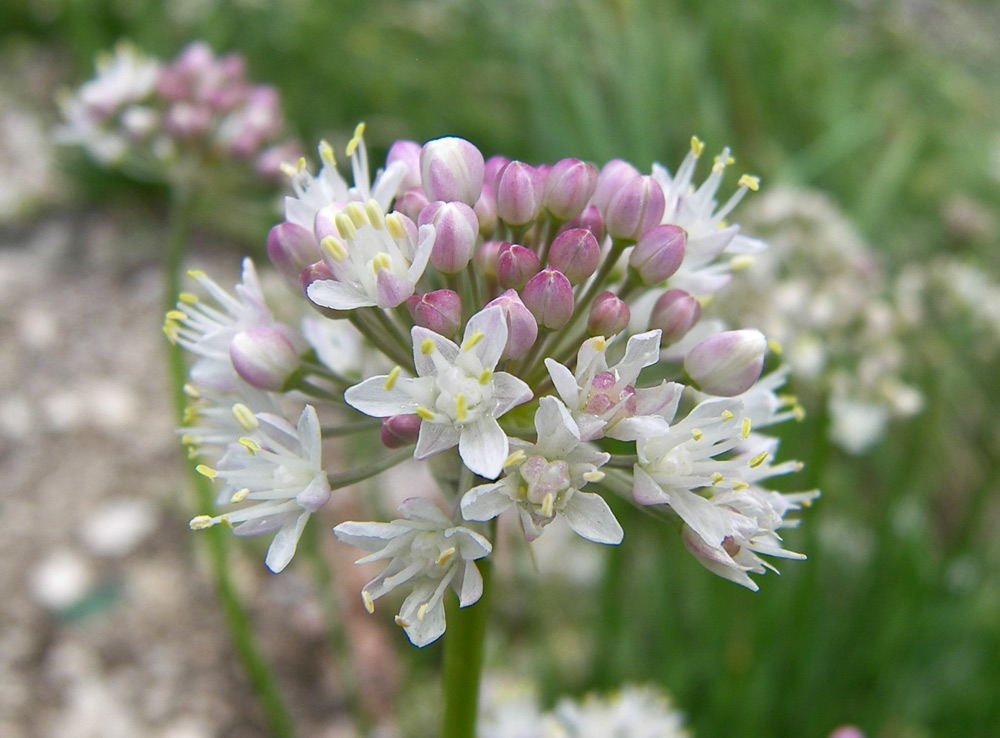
(727, 364)
(186, 120)
(658, 253)
(486, 211)
(456, 231)
(549, 297)
(637, 207)
(263, 358)
(486, 258)
(674, 314)
(519, 191)
(576, 254)
(451, 170)
(492, 169)
(609, 315)
(411, 202)
(291, 249)
(400, 430)
(516, 265)
(315, 273)
(568, 188)
(439, 311)
(522, 330)
(614, 175)
(407, 152)
(590, 219)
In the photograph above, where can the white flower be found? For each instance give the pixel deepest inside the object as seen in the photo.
(457, 394)
(544, 479)
(636, 712)
(376, 260)
(427, 551)
(604, 401)
(696, 211)
(215, 420)
(278, 466)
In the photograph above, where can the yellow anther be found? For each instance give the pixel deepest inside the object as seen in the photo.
(515, 458)
(750, 182)
(189, 440)
(485, 377)
(345, 226)
(594, 476)
(799, 412)
(225, 521)
(240, 495)
(522, 492)
(172, 330)
(598, 342)
(394, 224)
(716, 478)
(356, 212)
(740, 486)
(287, 169)
(192, 453)
(548, 505)
(427, 346)
(390, 378)
(727, 415)
(191, 391)
(696, 146)
(746, 427)
(447, 555)
(201, 522)
(359, 131)
(326, 153)
(196, 274)
(381, 261)
(301, 164)
(375, 214)
(758, 460)
(336, 250)
(697, 434)
(368, 601)
(807, 502)
(245, 417)
(206, 471)
(190, 415)
(739, 263)
(249, 445)
(774, 346)
(400, 622)
(176, 315)
(421, 611)
(476, 337)
(425, 413)
(461, 410)
(188, 298)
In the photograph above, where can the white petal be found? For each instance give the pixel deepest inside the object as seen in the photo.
(643, 426)
(491, 323)
(589, 515)
(558, 433)
(470, 544)
(337, 295)
(564, 382)
(483, 447)
(310, 436)
(435, 437)
(424, 363)
(710, 522)
(367, 536)
(470, 588)
(425, 243)
(372, 398)
(508, 391)
(422, 509)
(283, 546)
(640, 351)
(426, 630)
(645, 490)
(486, 501)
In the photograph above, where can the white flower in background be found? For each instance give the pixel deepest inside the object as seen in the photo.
(279, 467)
(376, 260)
(214, 420)
(544, 480)
(426, 552)
(604, 401)
(457, 393)
(635, 712)
(313, 193)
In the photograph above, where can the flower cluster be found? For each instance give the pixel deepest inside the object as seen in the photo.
(533, 332)
(165, 120)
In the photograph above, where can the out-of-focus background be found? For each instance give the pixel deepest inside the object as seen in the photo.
(875, 126)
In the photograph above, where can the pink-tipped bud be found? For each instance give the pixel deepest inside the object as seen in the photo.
(400, 430)
(291, 249)
(727, 364)
(658, 254)
(315, 273)
(486, 211)
(456, 231)
(486, 258)
(451, 169)
(407, 152)
(590, 219)
(516, 265)
(609, 315)
(568, 188)
(439, 311)
(637, 207)
(522, 330)
(549, 297)
(674, 314)
(576, 254)
(614, 175)
(411, 202)
(492, 170)
(187, 121)
(519, 191)
(263, 358)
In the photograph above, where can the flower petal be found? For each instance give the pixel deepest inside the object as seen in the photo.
(508, 391)
(491, 323)
(424, 362)
(282, 548)
(372, 398)
(330, 293)
(486, 501)
(645, 490)
(558, 433)
(483, 447)
(589, 516)
(434, 437)
(468, 585)
(564, 382)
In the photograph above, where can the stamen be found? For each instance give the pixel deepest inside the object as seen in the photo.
(337, 251)
(515, 458)
(245, 417)
(249, 445)
(287, 169)
(476, 337)
(206, 471)
(750, 182)
(594, 476)
(188, 297)
(727, 415)
(345, 227)
(740, 486)
(421, 611)
(716, 478)
(368, 601)
(326, 153)
(191, 391)
(381, 261)
(175, 315)
(201, 522)
(758, 459)
(301, 164)
(697, 434)
(356, 212)
(739, 263)
(696, 146)
(774, 346)
(485, 377)
(359, 131)
(425, 413)
(400, 622)
(461, 411)
(427, 346)
(746, 427)
(548, 505)
(447, 555)
(375, 215)
(240, 495)
(394, 224)
(196, 274)
(390, 379)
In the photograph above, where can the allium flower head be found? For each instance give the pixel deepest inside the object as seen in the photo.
(426, 552)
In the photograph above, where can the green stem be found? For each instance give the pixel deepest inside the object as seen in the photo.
(346, 479)
(257, 669)
(463, 661)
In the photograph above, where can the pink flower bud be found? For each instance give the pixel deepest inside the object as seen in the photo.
(847, 731)
(187, 121)
(411, 202)
(635, 208)
(400, 430)
(325, 222)
(486, 211)
(457, 229)
(658, 254)
(614, 175)
(727, 364)
(451, 169)
(519, 190)
(486, 258)
(576, 254)
(522, 330)
(407, 152)
(549, 297)
(315, 273)
(291, 249)
(674, 314)
(263, 358)
(515, 266)
(492, 170)
(609, 315)
(439, 311)
(570, 185)
(590, 218)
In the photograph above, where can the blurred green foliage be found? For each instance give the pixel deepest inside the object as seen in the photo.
(893, 107)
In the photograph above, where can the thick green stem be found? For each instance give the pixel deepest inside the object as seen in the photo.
(257, 669)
